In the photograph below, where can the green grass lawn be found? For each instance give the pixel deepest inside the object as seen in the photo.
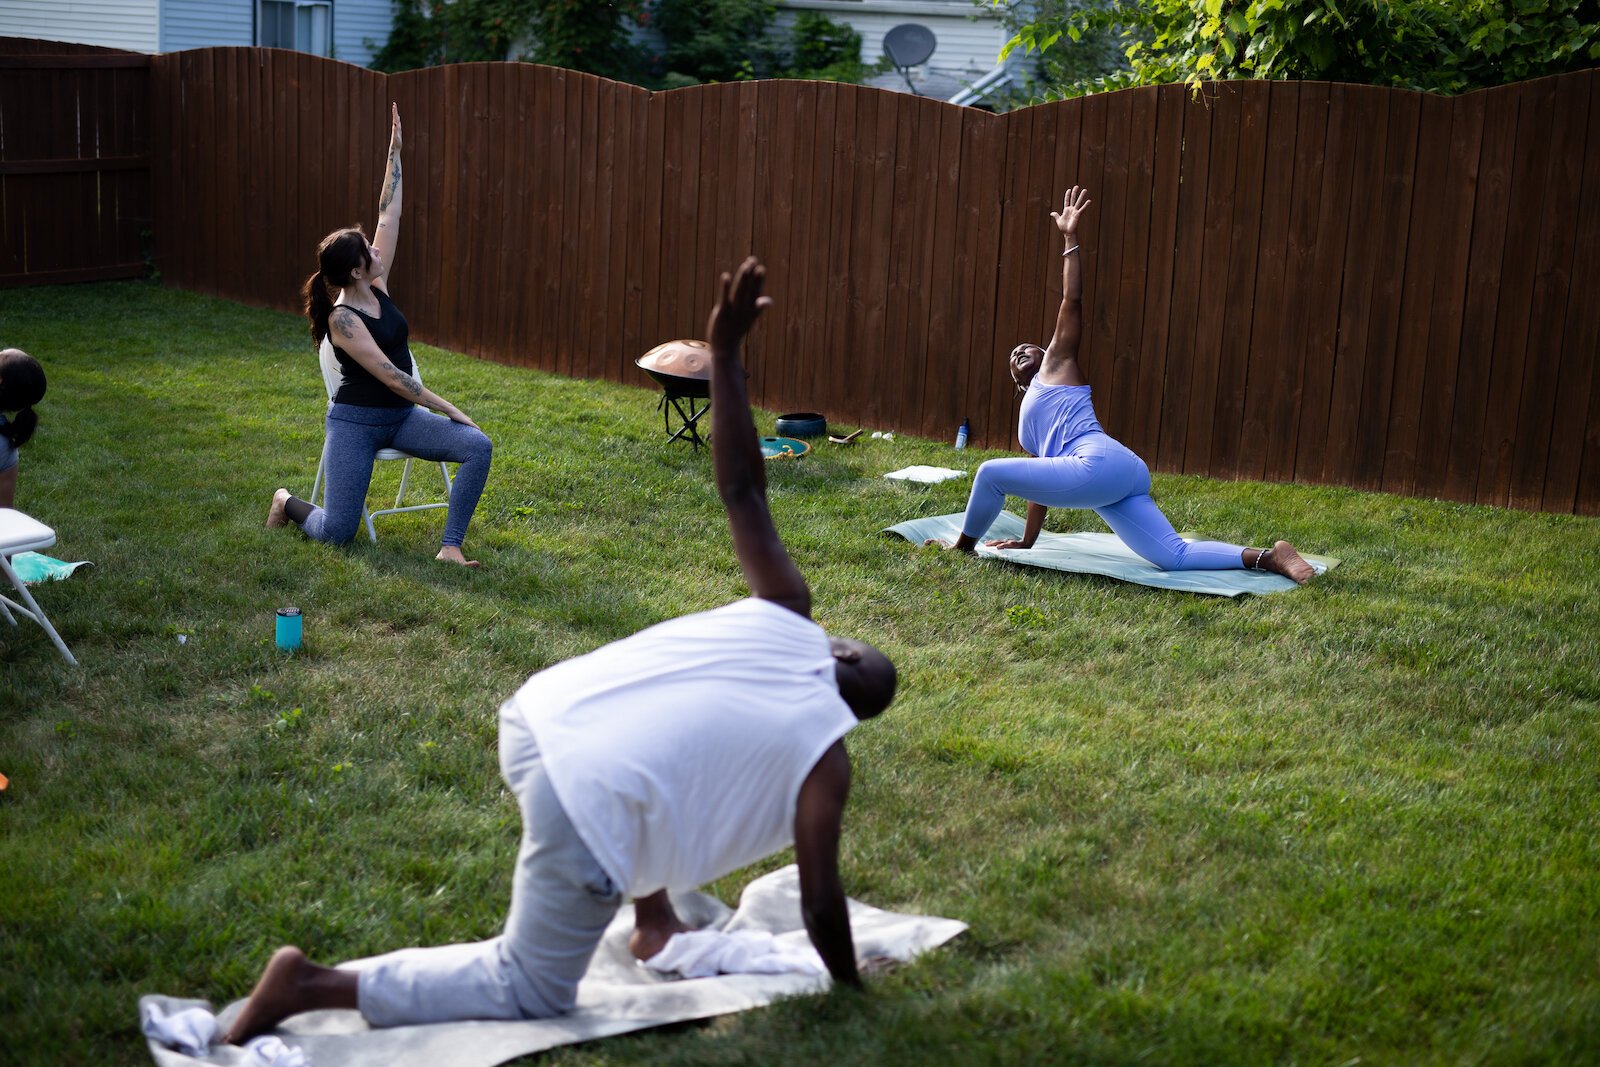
(1353, 823)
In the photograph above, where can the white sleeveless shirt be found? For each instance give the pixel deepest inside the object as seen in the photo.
(678, 753)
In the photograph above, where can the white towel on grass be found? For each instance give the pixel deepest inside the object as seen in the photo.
(703, 953)
(616, 997)
(925, 475)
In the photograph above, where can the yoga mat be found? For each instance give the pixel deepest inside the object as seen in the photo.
(616, 996)
(31, 567)
(1103, 553)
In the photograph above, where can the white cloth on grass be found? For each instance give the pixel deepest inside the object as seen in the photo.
(678, 753)
(925, 475)
(189, 1030)
(702, 953)
(617, 996)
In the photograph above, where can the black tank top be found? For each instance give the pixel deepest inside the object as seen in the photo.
(390, 333)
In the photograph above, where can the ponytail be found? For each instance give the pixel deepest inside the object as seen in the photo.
(17, 430)
(341, 252)
(318, 304)
(22, 385)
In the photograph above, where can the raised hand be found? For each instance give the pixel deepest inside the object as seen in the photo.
(1073, 206)
(394, 128)
(738, 308)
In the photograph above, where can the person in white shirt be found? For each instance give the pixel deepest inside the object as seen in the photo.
(654, 764)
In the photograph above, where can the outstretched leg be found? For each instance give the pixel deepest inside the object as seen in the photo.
(291, 984)
(654, 923)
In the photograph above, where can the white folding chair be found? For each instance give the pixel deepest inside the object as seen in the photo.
(331, 378)
(23, 533)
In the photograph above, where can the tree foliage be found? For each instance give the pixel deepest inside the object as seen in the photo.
(427, 33)
(1446, 46)
(703, 40)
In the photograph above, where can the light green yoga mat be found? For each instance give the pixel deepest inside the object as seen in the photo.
(1103, 553)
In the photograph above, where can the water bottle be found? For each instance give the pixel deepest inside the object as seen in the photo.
(289, 629)
(961, 434)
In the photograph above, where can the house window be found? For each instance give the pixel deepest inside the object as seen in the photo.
(303, 25)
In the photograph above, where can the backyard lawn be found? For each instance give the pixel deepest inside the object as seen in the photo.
(1352, 823)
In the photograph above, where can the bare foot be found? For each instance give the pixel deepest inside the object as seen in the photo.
(452, 554)
(939, 542)
(1282, 559)
(277, 514)
(646, 941)
(277, 996)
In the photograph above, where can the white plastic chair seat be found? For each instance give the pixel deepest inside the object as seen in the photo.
(24, 533)
(331, 377)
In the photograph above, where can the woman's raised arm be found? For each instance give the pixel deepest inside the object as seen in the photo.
(1069, 320)
(388, 235)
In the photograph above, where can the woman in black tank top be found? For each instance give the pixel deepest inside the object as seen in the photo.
(375, 404)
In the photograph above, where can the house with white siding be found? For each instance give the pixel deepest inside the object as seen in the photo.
(969, 39)
(350, 30)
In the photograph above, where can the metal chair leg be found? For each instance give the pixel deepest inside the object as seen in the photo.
(33, 610)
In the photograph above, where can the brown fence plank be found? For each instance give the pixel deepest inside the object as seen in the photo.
(946, 371)
(1481, 304)
(920, 207)
(1532, 445)
(1137, 425)
(1189, 257)
(655, 269)
(1426, 249)
(1393, 231)
(639, 177)
(1105, 314)
(1262, 386)
(840, 219)
(1162, 250)
(588, 313)
(984, 146)
(899, 365)
(1515, 291)
(1024, 196)
(1361, 263)
(1573, 426)
(678, 262)
(1312, 439)
(1287, 384)
(1227, 109)
(1243, 268)
(1449, 293)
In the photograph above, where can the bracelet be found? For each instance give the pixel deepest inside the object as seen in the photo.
(1074, 248)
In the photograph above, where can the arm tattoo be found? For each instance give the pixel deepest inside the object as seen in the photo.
(345, 322)
(403, 380)
(391, 187)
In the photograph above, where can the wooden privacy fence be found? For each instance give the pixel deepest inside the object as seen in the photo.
(74, 162)
(1289, 281)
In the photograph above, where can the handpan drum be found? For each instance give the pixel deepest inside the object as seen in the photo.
(683, 368)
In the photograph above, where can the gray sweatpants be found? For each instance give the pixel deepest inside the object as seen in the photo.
(561, 903)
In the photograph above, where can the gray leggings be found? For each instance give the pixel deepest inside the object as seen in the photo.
(355, 434)
(562, 900)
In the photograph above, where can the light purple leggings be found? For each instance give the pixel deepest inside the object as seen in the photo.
(1104, 475)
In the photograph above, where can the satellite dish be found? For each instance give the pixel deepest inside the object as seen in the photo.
(908, 45)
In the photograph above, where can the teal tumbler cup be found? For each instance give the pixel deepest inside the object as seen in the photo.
(289, 629)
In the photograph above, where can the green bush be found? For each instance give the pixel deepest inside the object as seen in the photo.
(427, 33)
(1447, 46)
(716, 40)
